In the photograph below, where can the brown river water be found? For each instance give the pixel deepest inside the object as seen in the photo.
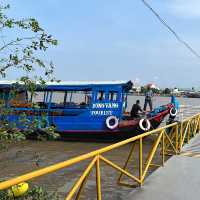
(30, 155)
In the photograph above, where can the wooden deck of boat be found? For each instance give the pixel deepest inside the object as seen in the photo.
(178, 180)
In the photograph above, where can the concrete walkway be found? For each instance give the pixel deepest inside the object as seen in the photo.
(178, 180)
(193, 148)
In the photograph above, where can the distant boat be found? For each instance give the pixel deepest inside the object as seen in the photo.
(193, 95)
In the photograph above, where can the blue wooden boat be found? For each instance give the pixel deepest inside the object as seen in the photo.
(82, 110)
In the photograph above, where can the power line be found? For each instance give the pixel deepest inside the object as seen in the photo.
(170, 29)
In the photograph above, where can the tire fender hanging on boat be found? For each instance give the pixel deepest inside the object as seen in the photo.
(148, 124)
(112, 122)
(173, 112)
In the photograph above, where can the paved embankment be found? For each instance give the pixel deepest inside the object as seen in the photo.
(193, 148)
(178, 180)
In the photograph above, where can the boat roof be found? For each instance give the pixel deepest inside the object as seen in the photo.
(72, 84)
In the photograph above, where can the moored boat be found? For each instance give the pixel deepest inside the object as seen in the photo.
(193, 95)
(83, 110)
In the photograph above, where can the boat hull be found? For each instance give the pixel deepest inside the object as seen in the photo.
(126, 129)
(193, 95)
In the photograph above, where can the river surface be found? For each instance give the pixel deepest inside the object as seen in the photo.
(27, 156)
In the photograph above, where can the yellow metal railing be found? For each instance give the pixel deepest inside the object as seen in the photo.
(168, 140)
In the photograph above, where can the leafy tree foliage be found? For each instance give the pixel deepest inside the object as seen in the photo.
(22, 45)
(143, 89)
(167, 91)
(22, 52)
(155, 91)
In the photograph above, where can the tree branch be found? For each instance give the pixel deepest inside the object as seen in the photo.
(13, 42)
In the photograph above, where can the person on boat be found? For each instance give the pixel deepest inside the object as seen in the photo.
(176, 105)
(136, 108)
(148, 99)
(175, 102)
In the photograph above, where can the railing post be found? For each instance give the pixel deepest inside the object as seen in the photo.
(163, 147)
(78, 196)
(98, 178)
(152, 153)
(127, 161)
(140, 161)
(189, 131)
(181, 136)
(81, 179)
(196, 130)
(176, 138)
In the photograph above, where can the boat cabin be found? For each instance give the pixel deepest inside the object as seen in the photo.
(69, 106)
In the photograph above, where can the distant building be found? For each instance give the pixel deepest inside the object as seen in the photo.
(136, 85)
(152, 86)
(136, 88)
(185, 90)
(176, 91)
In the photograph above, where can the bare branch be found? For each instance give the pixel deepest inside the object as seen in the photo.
(14, 42)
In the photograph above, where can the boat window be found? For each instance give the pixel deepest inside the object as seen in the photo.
(29, 96)
(37, 99)
(78, 98)
(58, 98)
(113, 96)
(71, 99)
(101, 95)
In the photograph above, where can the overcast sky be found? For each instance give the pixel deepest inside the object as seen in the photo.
(119, 39)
